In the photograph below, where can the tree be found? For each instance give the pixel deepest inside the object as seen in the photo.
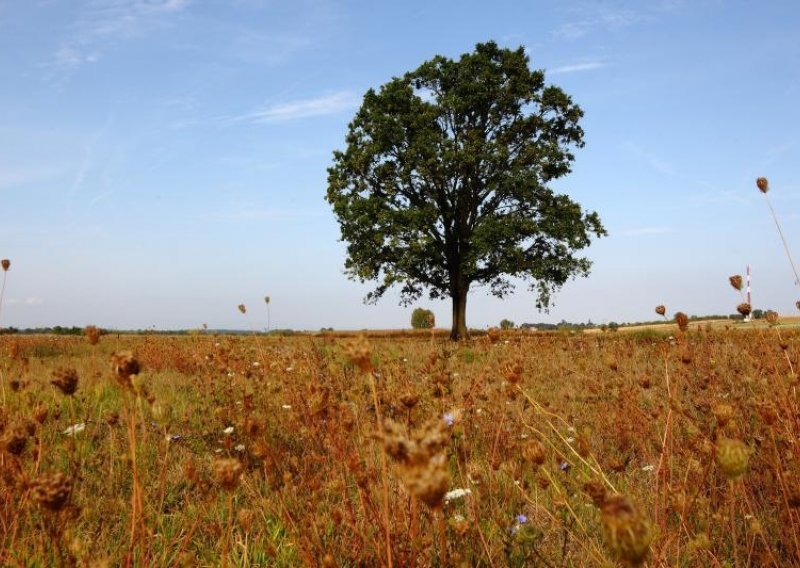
(422, 319)
(506, 324)
(444, 182)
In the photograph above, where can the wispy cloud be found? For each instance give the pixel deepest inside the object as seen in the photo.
(303, 108)
(577, 67)
(641, 231)
(605, 19)
(105, 20)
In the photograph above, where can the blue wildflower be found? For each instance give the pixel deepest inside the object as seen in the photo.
(449, 418)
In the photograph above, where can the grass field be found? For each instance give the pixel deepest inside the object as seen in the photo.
(646, 447)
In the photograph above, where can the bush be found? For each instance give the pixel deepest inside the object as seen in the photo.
(422, 319)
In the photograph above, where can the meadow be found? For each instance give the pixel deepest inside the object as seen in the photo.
(656, 447)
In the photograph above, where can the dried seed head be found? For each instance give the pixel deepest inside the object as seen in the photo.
(744, 309)
(6, 264)
(52, 490)
(242, 308)
(763, 185)
(597, 491)
(736, 281)
(797, 304)
(92, 334)
(227, 473)
(733, 457)
(65, 380)
(15, 440)
(723, 413)
(661, 310)
(627, 532)
(266, 299)
(534, 453)
(360, 354)
(682, 320)
(125, 367)
(771, 317)
(421, 459)
(409, 400)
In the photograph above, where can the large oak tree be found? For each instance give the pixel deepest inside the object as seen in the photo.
(444, 183)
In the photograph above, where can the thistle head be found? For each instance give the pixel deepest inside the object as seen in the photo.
(661, 310)
(242, 308)
(733, 457)
(763, 185)
(627, 533)
(52, 490)
(6, 264)
(682, 320)
(736, 281)
(65, 380)
(744, 308)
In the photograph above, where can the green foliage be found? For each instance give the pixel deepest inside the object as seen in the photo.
(506, 324)
(422, 319)
(444, 182)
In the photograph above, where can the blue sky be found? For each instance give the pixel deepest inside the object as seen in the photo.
(162, 161)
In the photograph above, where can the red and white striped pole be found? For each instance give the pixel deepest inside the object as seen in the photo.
(748, 288)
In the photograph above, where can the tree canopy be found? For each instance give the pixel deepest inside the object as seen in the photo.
(444, 182)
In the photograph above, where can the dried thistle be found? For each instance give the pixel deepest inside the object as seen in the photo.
(534, 453)
(65, 380)
(92, 334)
(52, 490)
(736, 281)
(626, 531)
(242, 308)
(682, 320)
(421, 459)
(227, 473)
(6, 264)
(733, 457)
(661, 310)
(266, 299)
(125, 366)
(15, 440)
(771, 317)
(744, 309)
(359, 353)
(763, 184)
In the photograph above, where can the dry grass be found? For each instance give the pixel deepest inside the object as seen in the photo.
(572, 450)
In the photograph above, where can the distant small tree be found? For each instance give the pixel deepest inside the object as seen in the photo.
(758, 314)
(422, 319)
(506, 324)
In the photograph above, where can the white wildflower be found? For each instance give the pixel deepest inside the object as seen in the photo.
(75, 429)
(456, 494)
(228, 431)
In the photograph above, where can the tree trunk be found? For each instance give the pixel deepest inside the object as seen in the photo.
(459, 296)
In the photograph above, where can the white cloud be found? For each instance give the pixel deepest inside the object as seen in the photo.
(577, 67)
(303, 108)
(25, 301)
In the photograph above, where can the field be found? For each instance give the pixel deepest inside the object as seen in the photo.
(652, 447)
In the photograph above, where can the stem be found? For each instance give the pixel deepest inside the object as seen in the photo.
(383, 472)
(783, 240)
